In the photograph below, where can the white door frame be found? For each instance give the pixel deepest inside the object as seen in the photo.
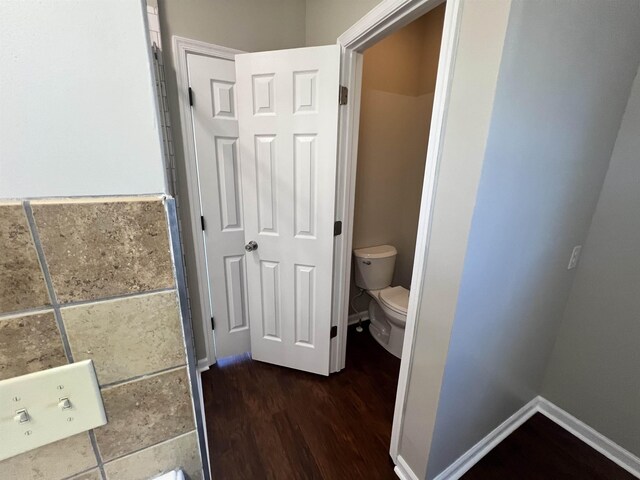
(387, 17)
(181, 48)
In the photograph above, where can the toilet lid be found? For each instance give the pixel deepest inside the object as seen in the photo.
(396, 298)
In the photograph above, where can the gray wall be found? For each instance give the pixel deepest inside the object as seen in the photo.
(249, 25)
(473, 83)
(77, 102)
(594, 369)
(566, 73)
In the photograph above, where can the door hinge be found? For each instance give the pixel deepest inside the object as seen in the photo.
(213, 324)
(190, 97)
(202, 222)
(343, 97)
(334, 331)
(337, 228)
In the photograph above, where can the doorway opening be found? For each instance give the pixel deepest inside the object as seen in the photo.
(219, 88)
(398, 86)
(297, 412)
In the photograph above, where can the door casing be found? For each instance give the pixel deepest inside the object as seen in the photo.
(384, 19)
(182, 47)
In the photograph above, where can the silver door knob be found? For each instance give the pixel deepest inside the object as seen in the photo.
(251, 246)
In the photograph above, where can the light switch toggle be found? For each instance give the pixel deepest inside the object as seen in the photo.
(64, 403)
(22, 416)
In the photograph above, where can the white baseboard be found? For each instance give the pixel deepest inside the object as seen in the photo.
(484, 446)
(360, 316)
(596, 440)
(403, 471)
(203, 365)
(591, 437)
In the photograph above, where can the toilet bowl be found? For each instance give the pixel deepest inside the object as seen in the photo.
(388, 315)
(388, 305)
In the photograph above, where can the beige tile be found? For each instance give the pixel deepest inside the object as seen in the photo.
(181, 452)
(22, 283)
(90, 475)
(29, 343)
(127, 337)
(144, 412)
(101, 249)
(57, 460)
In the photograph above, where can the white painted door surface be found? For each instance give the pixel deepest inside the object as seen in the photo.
(288, 113)
(215, 125)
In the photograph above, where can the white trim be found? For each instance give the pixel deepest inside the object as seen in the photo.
(484, 446)
(181, 48)
(387, 17)
(203, 365)
(357, 317)
(348, 126)
(403, 471)
(588, 435)
(591, 437)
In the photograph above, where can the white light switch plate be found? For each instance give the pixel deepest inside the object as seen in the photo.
(42, 395)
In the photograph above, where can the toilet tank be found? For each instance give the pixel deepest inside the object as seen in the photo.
(374, 266)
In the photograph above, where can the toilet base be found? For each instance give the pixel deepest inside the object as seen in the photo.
(386, 334)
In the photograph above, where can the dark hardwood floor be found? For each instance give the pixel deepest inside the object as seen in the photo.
(272, 422)
(268, 422)
(541, 449)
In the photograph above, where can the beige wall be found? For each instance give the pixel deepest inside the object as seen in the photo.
(593, 372)
(250, 25)
(326, 20)
(394, 128)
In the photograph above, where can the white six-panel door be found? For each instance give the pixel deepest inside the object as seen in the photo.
(215, 126)
(288, 118)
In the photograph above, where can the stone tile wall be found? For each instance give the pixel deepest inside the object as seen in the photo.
(93, 279)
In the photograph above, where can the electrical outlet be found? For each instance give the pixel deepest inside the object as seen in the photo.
(575, 255)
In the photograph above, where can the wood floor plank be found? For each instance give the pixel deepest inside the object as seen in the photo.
(269, 422)
(287, 424)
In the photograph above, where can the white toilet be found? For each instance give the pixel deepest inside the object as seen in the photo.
(388, 307)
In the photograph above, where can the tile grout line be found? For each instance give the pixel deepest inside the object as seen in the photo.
(47, 279)
(142, 376)
(49, 306)
(166, 440)
(25, 311)
(83, 472)
(119, 296)
(58, 316)
(96, 452)
(56, 307)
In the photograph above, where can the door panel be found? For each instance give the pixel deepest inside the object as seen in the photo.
(215, 126)
(288, 119)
